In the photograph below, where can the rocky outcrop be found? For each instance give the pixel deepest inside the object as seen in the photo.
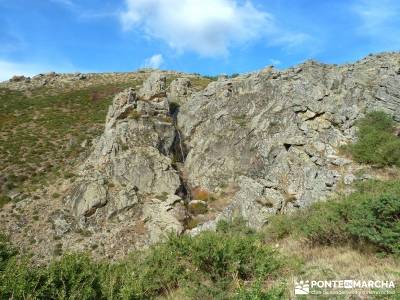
(265, 143)
(180, 90)
(130, 170)
(276, 134)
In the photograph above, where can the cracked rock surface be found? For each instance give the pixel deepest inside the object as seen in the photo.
(276, 134)
(129, 172)
(252, 146)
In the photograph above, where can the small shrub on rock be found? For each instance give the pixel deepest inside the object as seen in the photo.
(377, 142)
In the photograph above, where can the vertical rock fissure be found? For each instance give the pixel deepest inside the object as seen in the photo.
(179, 153)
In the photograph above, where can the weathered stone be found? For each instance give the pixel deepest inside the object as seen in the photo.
(88, 197)
(283, 129)
(19, 79)
(62, 223)
(161, 218)
(180, 90)
(154, 87)
(131, 161)
(274, 135)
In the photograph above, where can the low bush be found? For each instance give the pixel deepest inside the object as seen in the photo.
(198, 208)
(4, 200)
(231, 263)
(206, 266)
(369, 216)
(6, 252)
(256, 292)
(377, 143)
(377, 221)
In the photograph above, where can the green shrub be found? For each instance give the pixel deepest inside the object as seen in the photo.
(256, 292)
(236, 226)
(377, 144)
(280, 226)
(324, 223)
(4, 200)
(371, 215)
(211, 265)
(75, 276)
(21, 280)
(158, 272)
(6, 252)
(377, 221)
(203, 266)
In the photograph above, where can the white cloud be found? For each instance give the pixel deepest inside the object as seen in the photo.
(379, 20)
(275, 62)
(207, 27)
(154, 62)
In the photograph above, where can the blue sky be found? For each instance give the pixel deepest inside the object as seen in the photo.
(205, 36)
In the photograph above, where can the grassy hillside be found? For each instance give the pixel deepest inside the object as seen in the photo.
(234, 262)
(42, 133)
(44, 129)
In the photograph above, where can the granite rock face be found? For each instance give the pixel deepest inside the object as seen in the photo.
(276, 134)
(272, 135)
(130, 171)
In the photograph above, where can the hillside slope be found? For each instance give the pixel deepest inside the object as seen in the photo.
(178, 152)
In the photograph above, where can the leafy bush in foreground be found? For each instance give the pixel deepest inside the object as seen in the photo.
(377, 144)
(371, 215)
(6, 252)
(226, 264)
(206, 266)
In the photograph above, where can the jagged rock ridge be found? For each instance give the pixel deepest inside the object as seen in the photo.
(130, 170)
(266, 142)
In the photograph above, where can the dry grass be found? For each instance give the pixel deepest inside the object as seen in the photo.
(200, 83)
(140, 227)
(200, 194)
(334, 263)
(331, 262)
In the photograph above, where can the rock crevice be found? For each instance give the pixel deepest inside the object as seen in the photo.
(273, 135)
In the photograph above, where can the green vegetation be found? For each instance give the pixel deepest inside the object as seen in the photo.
(134, 114)
(235, 262)
(4, 200)
(42, 131)
(231, 263)
(377, 143)
(198, 208)
(240, 120)
(200, 83)
(370, 216)
(6, 252)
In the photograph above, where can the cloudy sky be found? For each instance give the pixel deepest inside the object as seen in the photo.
(205, 36)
